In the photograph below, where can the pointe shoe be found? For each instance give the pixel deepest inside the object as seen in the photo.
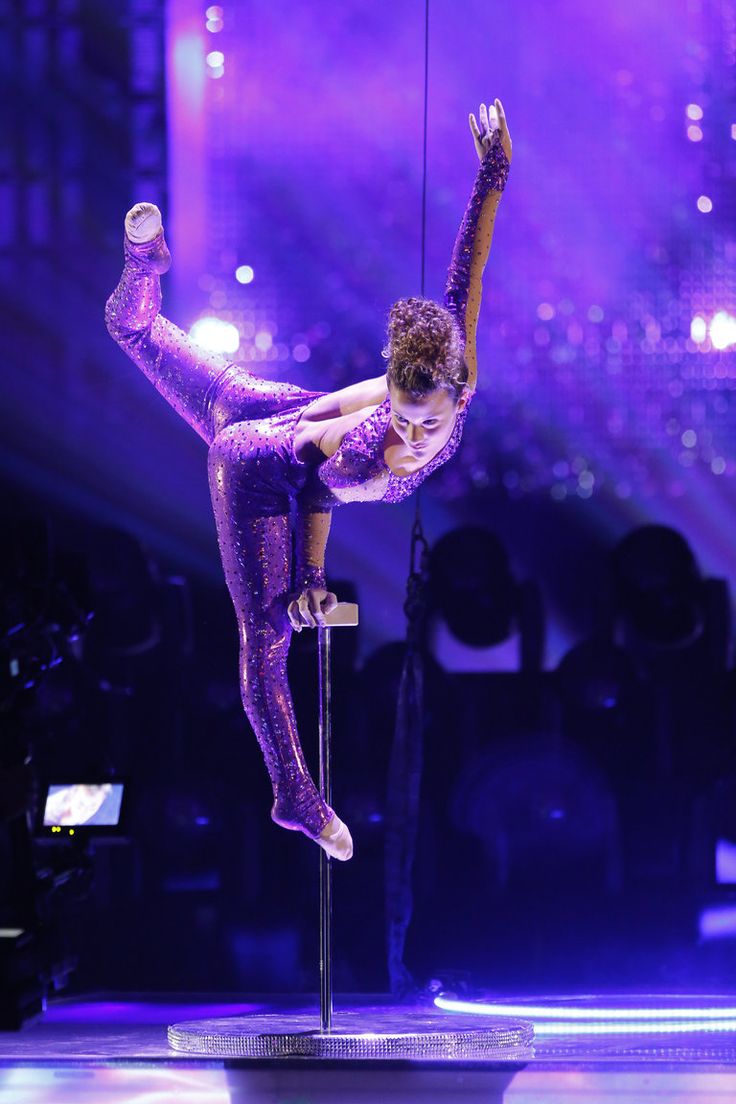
(143, 222)
(144, 231)
(336, 840)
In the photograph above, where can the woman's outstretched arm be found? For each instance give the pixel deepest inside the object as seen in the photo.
(473, 243)
(312, 599)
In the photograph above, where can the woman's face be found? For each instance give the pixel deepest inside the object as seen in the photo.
(425, 422)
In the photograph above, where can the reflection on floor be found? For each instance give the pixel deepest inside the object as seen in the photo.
(103, 1049)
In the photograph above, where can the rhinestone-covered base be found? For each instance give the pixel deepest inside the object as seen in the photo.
(359, 1033)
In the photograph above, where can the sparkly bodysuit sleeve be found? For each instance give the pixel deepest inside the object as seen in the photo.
(179, 369)
(472, 246)
(311, 532)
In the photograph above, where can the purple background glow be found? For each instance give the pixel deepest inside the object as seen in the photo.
(597, 410)
(591, 386)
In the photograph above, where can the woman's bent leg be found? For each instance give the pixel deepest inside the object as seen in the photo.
(252, 519)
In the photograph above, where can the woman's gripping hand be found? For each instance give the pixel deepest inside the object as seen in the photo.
(309, 607)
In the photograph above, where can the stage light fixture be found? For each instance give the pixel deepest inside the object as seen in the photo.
(542, 811)
(596, 677)
(484, 605)
(658, 588)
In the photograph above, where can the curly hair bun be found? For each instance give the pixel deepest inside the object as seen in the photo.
(425, 348)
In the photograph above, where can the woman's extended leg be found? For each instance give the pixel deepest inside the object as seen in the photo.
(250, 486)
(179, 369)
(206, 389)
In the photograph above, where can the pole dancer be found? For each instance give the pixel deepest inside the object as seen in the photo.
(271, 443)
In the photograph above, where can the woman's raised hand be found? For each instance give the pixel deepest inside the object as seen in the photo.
(492, 121)
(310, 607)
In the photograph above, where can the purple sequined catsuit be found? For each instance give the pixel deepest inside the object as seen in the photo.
(248, 424)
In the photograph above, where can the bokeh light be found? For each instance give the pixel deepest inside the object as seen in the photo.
(215, 335)
(723, 330)
(214, 17)
(215, 64)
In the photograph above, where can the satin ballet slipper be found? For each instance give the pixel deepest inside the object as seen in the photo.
(143, 222)
(145, 233)
(336, 840)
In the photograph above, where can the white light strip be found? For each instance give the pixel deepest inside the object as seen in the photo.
(634, 1027)
(568, 1013)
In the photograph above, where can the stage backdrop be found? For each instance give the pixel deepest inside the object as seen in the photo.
(293, 211)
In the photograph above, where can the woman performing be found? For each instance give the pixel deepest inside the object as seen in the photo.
(271, 444)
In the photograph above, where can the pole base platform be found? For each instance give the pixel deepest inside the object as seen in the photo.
(379, 1033)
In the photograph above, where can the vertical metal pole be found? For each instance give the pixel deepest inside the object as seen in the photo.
(325, 871)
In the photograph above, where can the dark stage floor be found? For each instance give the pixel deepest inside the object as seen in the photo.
(106, 1048)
